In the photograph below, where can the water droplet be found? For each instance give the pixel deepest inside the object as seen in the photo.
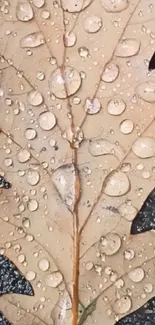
(47, 121)
(21, 258)
(74, 5)
(110, 73)
(38, 3)
(136, 275)
(33, 205)
(92, 106)
(116, 106)
(30, 134)
(64, 179)
(115, 5)
(45, 14)
(43, 265)
(146, 91)
(104, 147)
(129, 254)
(92, 24)
(127, 47)
(117, 185)
(110, 244)
(23, 155)
(122, 305)
(70, 78)
(144, 147)
(32, 177)
(148, 287)
(75, 136)
(127, 211)
(8, 162)
(88, 266)
(126, 126)
(30, 275)
(40, 75)
(35, 98)
(32, 40)
(70, 39)
(26, 223)
(24, 11)
(54, 279)
(83, 51)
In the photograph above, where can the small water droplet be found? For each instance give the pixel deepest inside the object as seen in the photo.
(110, 244)
(115, 5)
(146, 91)
(38, 3)
(47, 121)
(32, 40)
(70, 39)
(70, 78)
(8, 162)
(43, 264)
(24, 11)
(117, 185)
(136, 275)
(40, 75)
(129, 254)
(127, 47)
(126, 126)
(92, 24)
(32, 177)
(45, 14)
(127, 211)
(54, 279)
(35, 98)
(92, 106)
(88, 266)
(122, 305)
(74, 5)
(30, 275)
(30, 134)
(33, 205)
(110, 73)
(148, 287)
(83, 51)
(116, 106)
(144, 147)
(23, 155)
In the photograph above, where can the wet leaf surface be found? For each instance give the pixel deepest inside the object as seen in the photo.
(145, 218)
(144, 315)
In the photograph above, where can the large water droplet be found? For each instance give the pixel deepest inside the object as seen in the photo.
(65, 181)
(110, 73)
(24, 11)
(92, 106)
(32, 177)
(54, 279)
(136, 275)
(75, 136)
(146, 91)
(116, 106)
(64, 84)
(122, 305)
(74, 5)
(117, 185)
(35, 98)
(144, 147)
(32, 40)
(47, 121)
(110, 244)
(92, 24)
(127, 47)
(115, 5)
(23, 155)
(38, 3)
(30, 275)
(33, 205)
(104, 147)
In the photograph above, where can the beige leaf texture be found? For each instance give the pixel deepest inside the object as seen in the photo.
(77, 144)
